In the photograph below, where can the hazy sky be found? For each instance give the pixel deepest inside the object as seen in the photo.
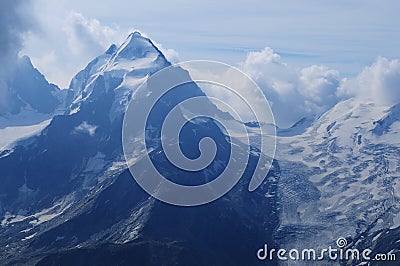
(344, 35)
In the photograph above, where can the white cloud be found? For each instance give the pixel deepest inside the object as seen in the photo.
(379, 83)
(310, 91)
(85, 127)
(67, 42)
(16, 19)
(88, 36)
(316, 32)
(293, 94)
(318, 85)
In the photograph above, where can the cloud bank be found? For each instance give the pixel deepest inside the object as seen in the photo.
(379, 83)
(15, 20)
(67, 43)
(293, 94)
(88, 36)
(311, 91)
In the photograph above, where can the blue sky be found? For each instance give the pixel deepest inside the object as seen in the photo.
(344, 35)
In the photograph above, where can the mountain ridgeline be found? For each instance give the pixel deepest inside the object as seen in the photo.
(68, 198)
(26, 87)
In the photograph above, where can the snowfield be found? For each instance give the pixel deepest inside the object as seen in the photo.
(9, 135)
(341, 177)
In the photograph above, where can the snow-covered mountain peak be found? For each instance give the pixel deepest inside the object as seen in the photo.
(119, 70)
(348, 126)
(112, 49)
(26, 88)
(136, 47)
(25, 60)
(124, 57)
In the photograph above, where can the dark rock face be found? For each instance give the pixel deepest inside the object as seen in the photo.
(67, 197)
(27, 87)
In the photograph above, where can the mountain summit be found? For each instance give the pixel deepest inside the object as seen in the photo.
(121, 69)
(69, 185)
(27, 89)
